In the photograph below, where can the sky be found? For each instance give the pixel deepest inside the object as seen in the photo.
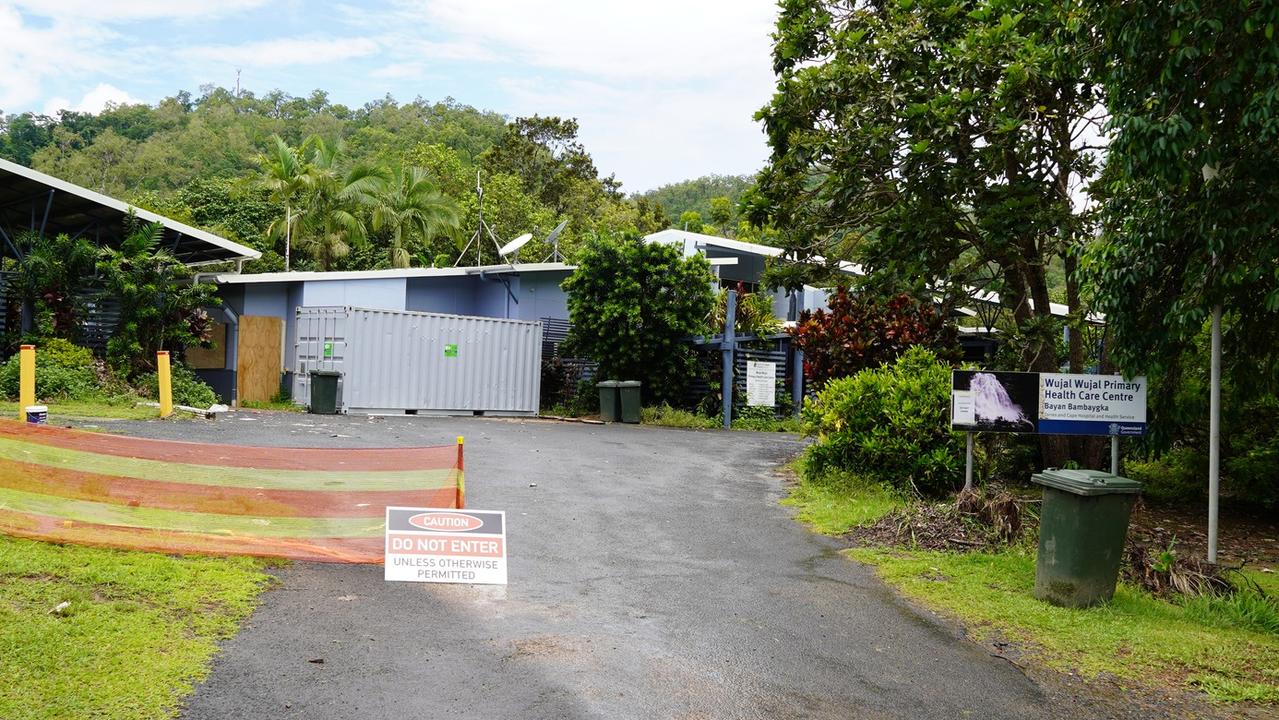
(665, 90)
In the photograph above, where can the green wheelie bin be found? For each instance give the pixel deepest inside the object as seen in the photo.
(324, 392)
(1083, 523)
(610, 410)
(629, 392)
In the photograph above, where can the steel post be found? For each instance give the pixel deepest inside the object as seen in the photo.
(727, 348)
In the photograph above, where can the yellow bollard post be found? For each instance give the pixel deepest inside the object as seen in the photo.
(460, 501)
(165, 381)
(26, 379)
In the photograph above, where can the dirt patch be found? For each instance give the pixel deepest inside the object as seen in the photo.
(973, 521)
(545, 645)
(1249, 539)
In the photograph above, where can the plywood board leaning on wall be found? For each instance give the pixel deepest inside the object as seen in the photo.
(258, 366)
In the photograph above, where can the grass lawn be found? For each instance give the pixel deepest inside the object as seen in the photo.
(839, 504)
(1226, 647)
(139, 632)
(275, 405)
(90, 409)
(667, 416)
(1210, 643)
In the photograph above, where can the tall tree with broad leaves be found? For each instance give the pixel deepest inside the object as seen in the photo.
(941, 144)
(336, 202)
(1191, 216)
(285, 176)
(414, 212)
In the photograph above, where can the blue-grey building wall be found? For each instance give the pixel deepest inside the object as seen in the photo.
(375, 294)
(451, 295)
(541, 297)
(491, 298)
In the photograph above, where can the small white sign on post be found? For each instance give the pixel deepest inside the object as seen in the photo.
(962, 409)
(445, 545)
(761, 383)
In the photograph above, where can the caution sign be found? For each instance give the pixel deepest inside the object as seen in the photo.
(445, 545)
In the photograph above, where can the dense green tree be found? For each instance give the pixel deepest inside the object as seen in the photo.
(22, 135)
(1191, 216)
(691, 220)
(650, 216)
(545, 154)
(722, 214)
(413, 212)
(953, 166)
(632, 304)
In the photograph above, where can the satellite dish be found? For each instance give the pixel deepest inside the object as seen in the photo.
(556, 232)
(515, 244)
(554, 241)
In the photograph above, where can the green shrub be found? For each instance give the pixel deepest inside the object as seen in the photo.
(890, 425)
(64, 371)
(1180, 474)
(674, 417)
(764, 419)
(187, 388)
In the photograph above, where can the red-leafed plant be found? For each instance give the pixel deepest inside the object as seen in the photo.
(862, 331)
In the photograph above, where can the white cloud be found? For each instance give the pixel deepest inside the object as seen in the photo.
(665, 90)
(125, 10)
(672, 39)
(284, 51)
(31, 55)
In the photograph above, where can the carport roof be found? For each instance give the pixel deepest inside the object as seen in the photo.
(57, 206)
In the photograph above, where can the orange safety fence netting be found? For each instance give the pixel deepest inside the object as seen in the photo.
(321, 504)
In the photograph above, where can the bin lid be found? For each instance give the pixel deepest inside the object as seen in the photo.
(1087, 482)
(325, 373)
(629, 383)
(607, 383)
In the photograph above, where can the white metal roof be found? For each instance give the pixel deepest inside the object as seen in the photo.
(275, 277)
(78, 206)
(700, 241)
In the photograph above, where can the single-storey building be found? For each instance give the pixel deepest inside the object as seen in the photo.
(255, 335)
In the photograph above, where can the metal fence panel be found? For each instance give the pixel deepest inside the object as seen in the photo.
(396, 361)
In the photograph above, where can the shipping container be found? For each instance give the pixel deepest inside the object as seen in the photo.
(398, 362)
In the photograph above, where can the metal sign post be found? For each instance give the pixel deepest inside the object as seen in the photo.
(1214, 434)
(968, 466)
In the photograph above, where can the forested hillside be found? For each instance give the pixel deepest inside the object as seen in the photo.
(713, 199)
(386, 184)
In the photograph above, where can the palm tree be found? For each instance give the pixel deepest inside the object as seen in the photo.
(335, 198)
(285, 176)
(412, 208)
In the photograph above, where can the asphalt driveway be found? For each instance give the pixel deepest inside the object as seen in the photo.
(652, 575)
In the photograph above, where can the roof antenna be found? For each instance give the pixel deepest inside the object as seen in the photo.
(480, 230)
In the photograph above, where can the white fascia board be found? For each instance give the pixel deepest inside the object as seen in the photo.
(394, 273)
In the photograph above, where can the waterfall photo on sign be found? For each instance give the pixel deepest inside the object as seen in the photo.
(995, 401)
